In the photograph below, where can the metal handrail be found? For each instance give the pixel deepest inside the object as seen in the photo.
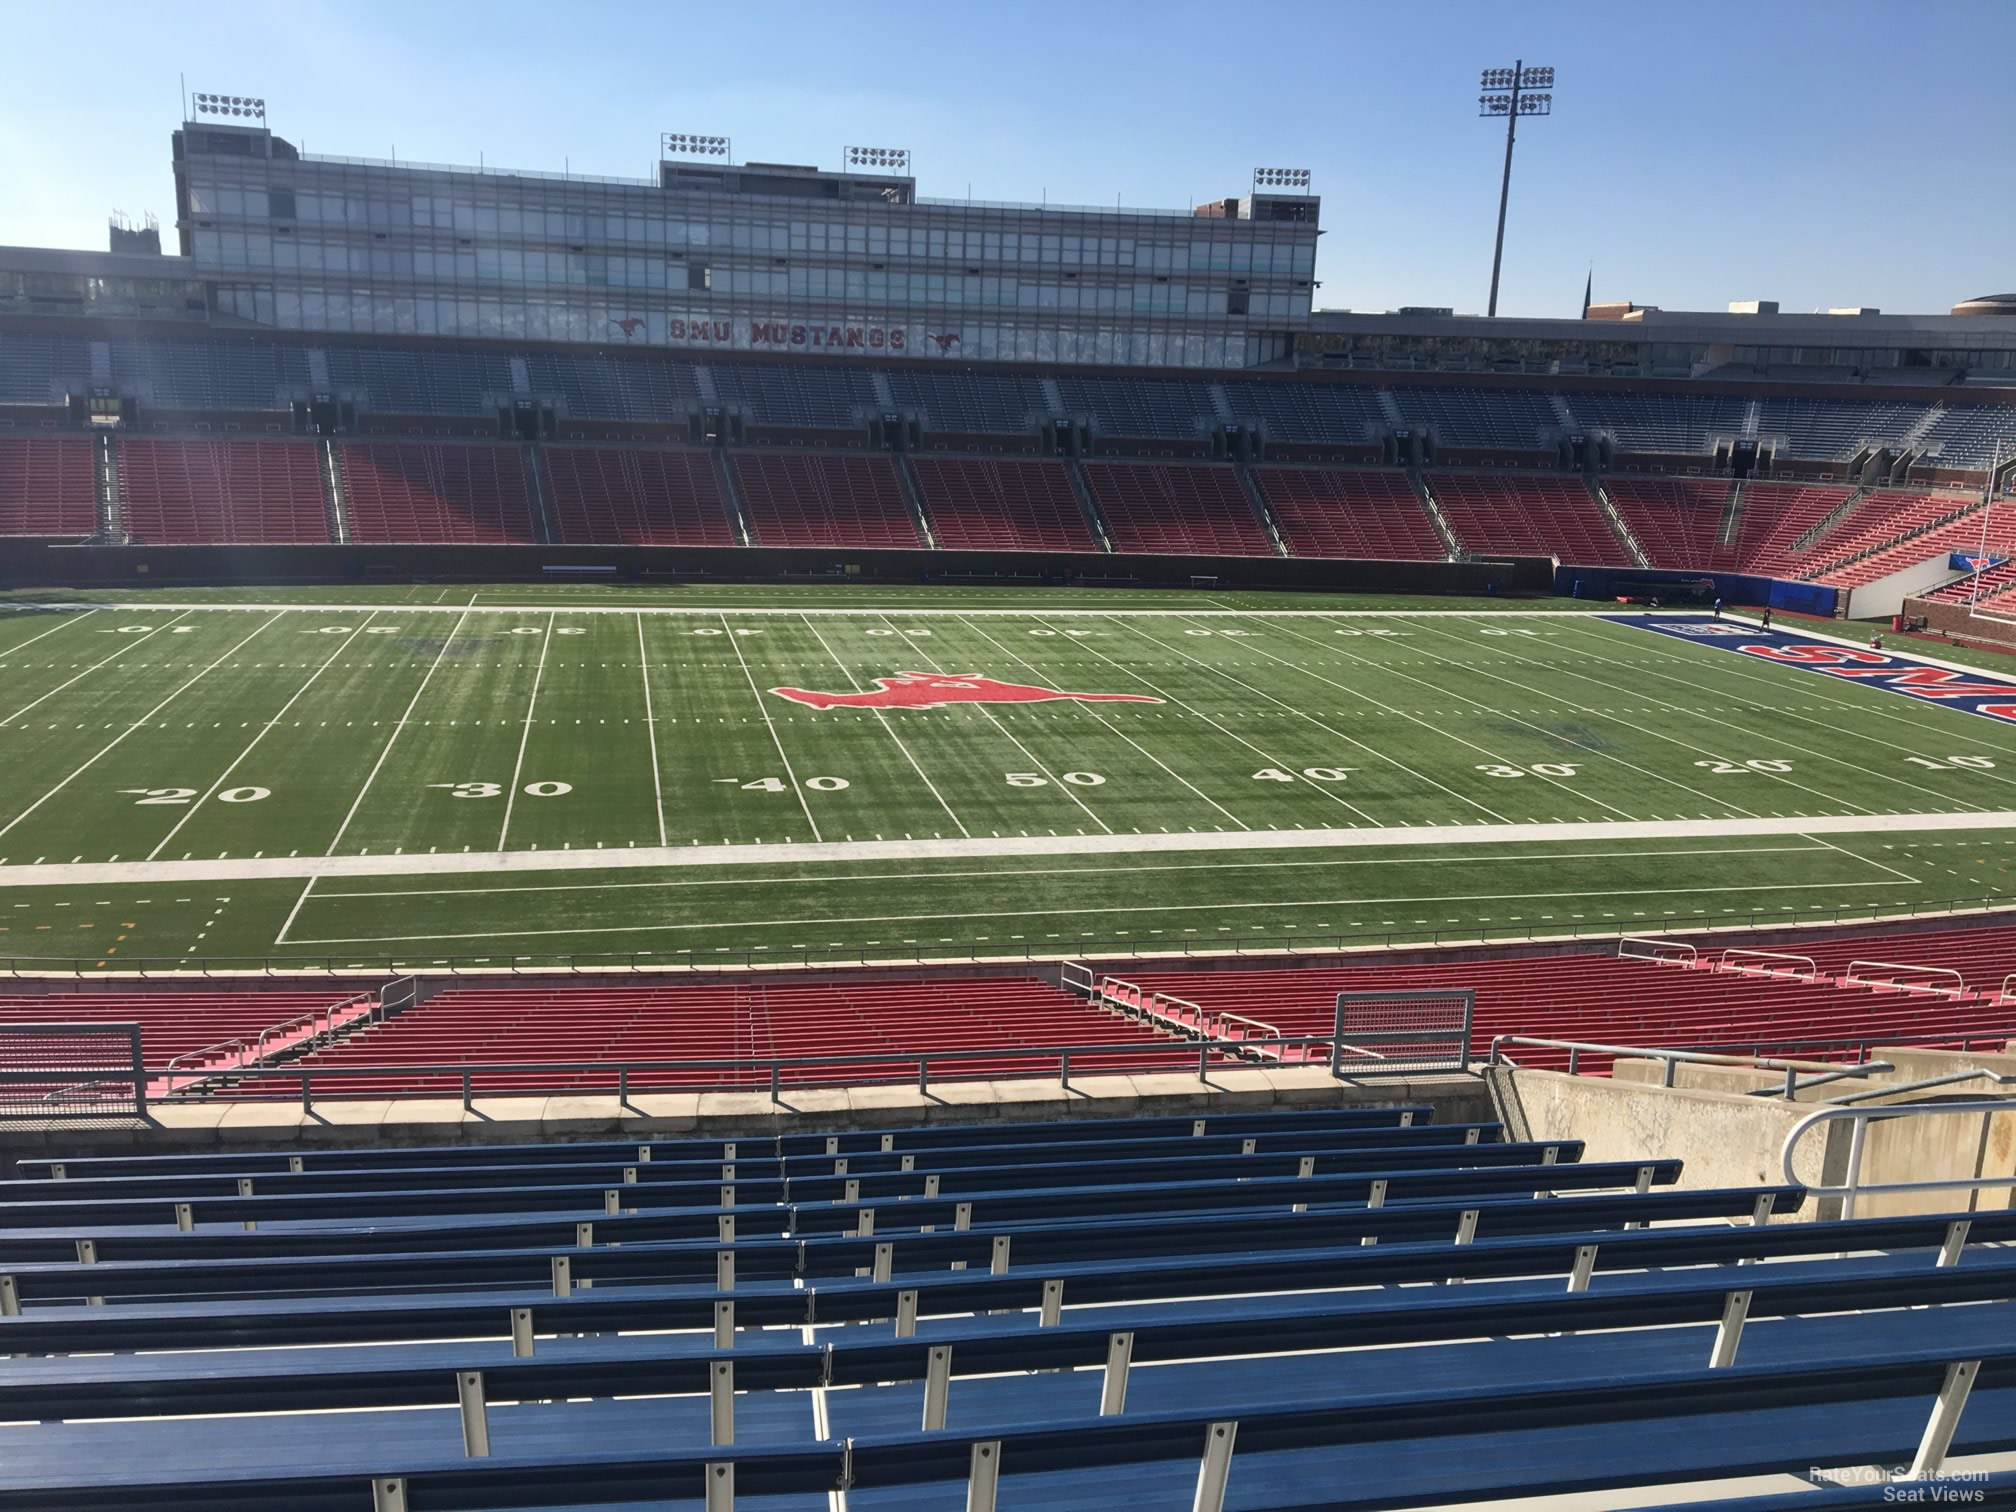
(1852, 1187)
(1959, 982)
(1926, 1084)
(1727, 962)
(1821, 1071)
(775, 1065)
(325, 1012)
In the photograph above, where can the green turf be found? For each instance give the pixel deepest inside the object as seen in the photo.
(531, 724)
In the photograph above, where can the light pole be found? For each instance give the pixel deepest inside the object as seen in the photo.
(1507, 93)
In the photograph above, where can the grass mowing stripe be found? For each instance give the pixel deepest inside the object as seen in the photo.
(651, 728)
(525, 734)
(264, 730)
(1440, 898)
(1089, 711)
(63, 622)
(1881, 703)
(84, 674)
(1190, 708)
(883, 719)
(1687, 745)
(1499, 713)
(1131, 868)
(769, 724)
(116, 740)
(1068, 789)
(397, 730)
(1329, 729)
(1360, 693)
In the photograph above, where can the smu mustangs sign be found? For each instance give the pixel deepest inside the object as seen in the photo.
(1974, 692)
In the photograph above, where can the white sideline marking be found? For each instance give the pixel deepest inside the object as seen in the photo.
(250, 869)
(710, 610)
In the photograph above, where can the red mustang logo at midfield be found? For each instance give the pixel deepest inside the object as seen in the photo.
(934, 690)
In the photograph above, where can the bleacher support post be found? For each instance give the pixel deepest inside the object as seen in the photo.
(937, 1386)
(245, 1190)
(388, 1494)
(563, 1276)
(584, 1236)
(721, 1488)
(983, 1479)
(521, 1332)
(999, 1263)
(1945, 1419)
(1729, 1333)
(1119, 1356)
(1053, 1305)
(1949, 1248)
(885, 1260)
(724, 1325)
(475, 1415)
(185, 1218)
(906, 1315)
(721, 1403)
(1215, 1468)
(10, 1297)
(1585, 1267)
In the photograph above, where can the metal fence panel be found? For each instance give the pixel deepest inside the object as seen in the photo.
(1403, 1033)
(71, 1070)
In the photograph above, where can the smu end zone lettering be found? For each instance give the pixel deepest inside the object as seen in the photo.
(1990, 697)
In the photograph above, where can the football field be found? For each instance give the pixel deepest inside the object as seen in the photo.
(416, 774)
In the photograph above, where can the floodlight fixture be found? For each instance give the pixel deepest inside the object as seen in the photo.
(878, 159)
(243, 106)
(1509, 94)
(1280, 178)
(693, 144)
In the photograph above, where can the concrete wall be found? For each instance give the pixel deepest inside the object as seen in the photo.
(1885, 596)
(1925, 1147)
(1724, 1138)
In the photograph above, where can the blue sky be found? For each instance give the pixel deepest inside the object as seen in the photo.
(1817, 152)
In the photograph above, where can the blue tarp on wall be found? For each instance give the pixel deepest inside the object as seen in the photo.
(1732, 587)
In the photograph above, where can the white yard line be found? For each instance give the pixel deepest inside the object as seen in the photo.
(1171, 910)
(1869, 860)
(63, 624)
(1066, 788)
(883, 720)
(111, 744)
(682, 857)
(1091, 711)
(1359, 693)
(1698, 720)
(651, 728)
(525, 735)
(1369, 750)
(294, 913)
(1884, 704)
(1278, 762)
(393, 739)
(770, 725)
(264, 730)
(1501, 714)
(130, 645)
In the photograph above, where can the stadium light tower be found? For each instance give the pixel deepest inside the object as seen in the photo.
(1509, 92)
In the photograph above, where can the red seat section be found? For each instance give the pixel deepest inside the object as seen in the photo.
(1677, 520)
(1997, 580)
(1176, 511)
(805, 499)
(501, 1025)
(1340, 512)
(171, 1023)
(603, 495)
(423, 493)
(1603, 999)
(48, 486)
(1776, 517)
(240, 493)
(980, 505)
(1529, 516)
(1899, 529)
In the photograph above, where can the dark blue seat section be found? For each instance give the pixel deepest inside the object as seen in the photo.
(826, 398)
(656, 1286)
(1517, 1236)
(973, 403)
(650, 1166)
(1186, 1329)
(1749, 1418)
(997, 1135)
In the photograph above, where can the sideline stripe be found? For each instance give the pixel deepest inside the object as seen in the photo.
(415, 865)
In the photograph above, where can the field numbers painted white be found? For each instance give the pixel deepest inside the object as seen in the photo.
(1970, 763)
(496, 789)
(1537, 769)
(1511, 632)
(160, 795)
(1314, 774)
(779, 785)
(1076, 633)
(1368, 632)
(1729, 768)
(1037, 779)
(244, 794)
(913, 634)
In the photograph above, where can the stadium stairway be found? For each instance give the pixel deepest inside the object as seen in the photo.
(1353, 1308)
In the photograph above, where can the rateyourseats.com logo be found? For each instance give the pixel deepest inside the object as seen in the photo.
(1952, 1488)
